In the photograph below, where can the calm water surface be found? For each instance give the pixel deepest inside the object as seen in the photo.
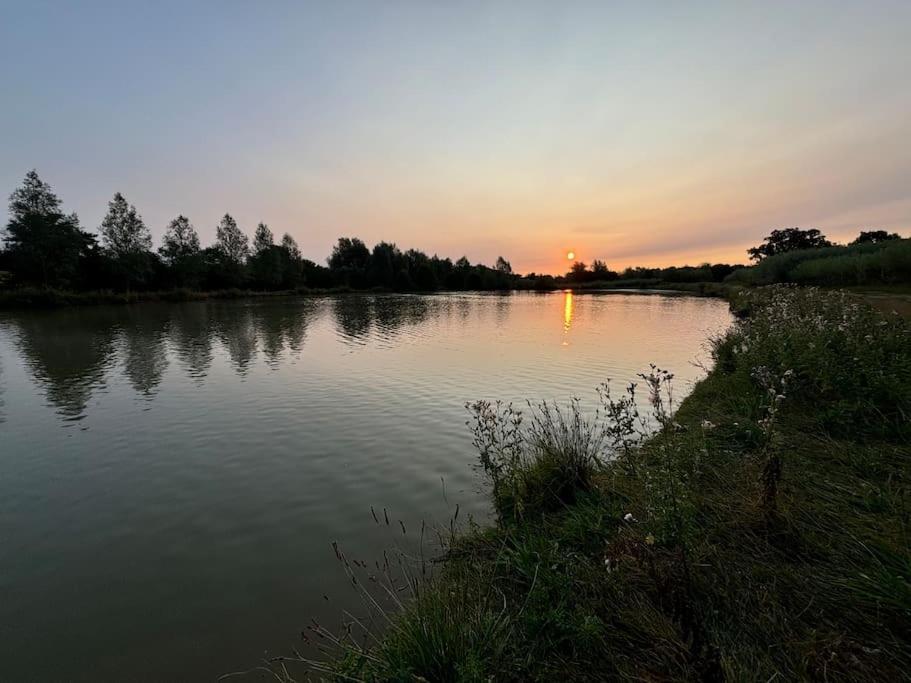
(172, 476)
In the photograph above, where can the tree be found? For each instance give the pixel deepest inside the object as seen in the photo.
(600, 271)
(293, 270)
(503, 266)
(180, 250)
(578, 272)
(349, 253)
(180, 240)
(291, 247)
(875, 237)
(43, 245)
(385, 262)
(127, 239)
(788, 239)
(123, 232)
(262, 238)
(231, 242)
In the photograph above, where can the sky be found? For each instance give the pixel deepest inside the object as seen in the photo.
(640, 133)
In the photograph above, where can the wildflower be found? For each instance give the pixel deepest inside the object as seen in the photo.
(649, 540)
(628, 517)
(608, 565)
(708, 424)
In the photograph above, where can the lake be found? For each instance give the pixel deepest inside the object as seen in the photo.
(172, 476)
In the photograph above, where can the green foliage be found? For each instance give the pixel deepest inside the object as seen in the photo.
(788, 239)
(539, 464)
(230, 242)
(850, 364)
(43, 246)
(123, 231)
(871, 262)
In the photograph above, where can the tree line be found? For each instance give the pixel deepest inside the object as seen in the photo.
(45, 247)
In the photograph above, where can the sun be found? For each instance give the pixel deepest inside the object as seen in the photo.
(570, 255)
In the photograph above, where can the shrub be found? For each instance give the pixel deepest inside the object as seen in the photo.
(851, 365)
(539, 464)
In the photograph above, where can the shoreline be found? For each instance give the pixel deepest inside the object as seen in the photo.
(44, 299)
(760, 533)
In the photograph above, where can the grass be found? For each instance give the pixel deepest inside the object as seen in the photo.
(758, 532)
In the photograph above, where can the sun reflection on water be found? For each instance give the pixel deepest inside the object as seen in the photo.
(567, 315)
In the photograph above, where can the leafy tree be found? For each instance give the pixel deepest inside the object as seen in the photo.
(262, 238)
(231, 242)
(180, 240)
(291, 247)
(463, 263)
(43, 245)
(600, 271)
(503, 266)
(788, 239)
(180, 250)
(875, 237)
(578, 272)
(128, 240)
(123, 231)
(350, 253)
(385, 262)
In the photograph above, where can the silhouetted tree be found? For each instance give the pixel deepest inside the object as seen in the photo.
(179, 241)
(348, 262)
(180, 252)
(600, 271)
(503, 266)
(129, 242)
(578, 272)
(290, 245)
(294, 272)
(875, 237)
(262, 238)
(789, 239)
(123, 231)
(43, 246)
(385, 262)
(225, 261)
(230, 241)
(350, 253)
(267, 262)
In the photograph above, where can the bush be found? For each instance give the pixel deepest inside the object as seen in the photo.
(868, 263)
(538, 465)
(852, 366)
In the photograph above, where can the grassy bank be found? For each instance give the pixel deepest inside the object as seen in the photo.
(762, 533)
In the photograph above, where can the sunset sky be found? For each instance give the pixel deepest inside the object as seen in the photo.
(638, 133)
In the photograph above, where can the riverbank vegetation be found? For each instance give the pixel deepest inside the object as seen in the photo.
(759, 532)
(48, 259)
